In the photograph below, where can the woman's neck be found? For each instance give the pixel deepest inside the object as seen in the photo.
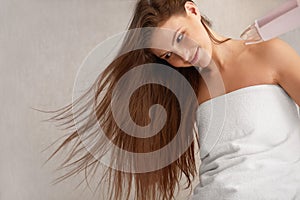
(224, 54)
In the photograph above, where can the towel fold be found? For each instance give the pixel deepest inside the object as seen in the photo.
(249, 146)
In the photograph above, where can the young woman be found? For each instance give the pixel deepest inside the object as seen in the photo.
(256, 152)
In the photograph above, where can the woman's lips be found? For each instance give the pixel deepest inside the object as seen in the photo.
(196, 56)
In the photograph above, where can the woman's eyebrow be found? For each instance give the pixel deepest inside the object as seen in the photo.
(173, 40)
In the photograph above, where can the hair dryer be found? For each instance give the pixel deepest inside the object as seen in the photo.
(281, 20)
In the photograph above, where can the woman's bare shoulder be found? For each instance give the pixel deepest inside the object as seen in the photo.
(272, 54)
(271, 50)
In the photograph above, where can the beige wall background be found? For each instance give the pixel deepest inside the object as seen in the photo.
(42, 44)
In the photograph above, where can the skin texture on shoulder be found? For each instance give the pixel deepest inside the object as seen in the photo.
(285, 63)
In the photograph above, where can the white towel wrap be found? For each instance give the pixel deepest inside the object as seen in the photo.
(250, 146)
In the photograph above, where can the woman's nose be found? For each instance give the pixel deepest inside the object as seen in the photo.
(185, 55)
(182, 53)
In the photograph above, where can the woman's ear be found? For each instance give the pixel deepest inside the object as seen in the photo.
(191, 9)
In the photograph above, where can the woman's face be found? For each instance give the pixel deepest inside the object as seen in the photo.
(183, 40)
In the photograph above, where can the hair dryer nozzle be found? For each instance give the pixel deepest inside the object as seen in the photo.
(277, 22)
(251, 34)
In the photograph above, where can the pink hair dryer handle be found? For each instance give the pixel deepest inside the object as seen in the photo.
(279, 21)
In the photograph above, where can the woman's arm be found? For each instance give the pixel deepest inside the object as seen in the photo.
(286, 65)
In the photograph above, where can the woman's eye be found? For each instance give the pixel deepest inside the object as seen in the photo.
(168, 55)
(179, 38)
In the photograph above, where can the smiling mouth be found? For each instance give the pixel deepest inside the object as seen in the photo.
(195, 58)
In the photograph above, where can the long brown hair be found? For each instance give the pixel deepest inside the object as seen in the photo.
(162, 182)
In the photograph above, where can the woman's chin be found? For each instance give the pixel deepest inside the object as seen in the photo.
(203, 62)
(204, 59)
